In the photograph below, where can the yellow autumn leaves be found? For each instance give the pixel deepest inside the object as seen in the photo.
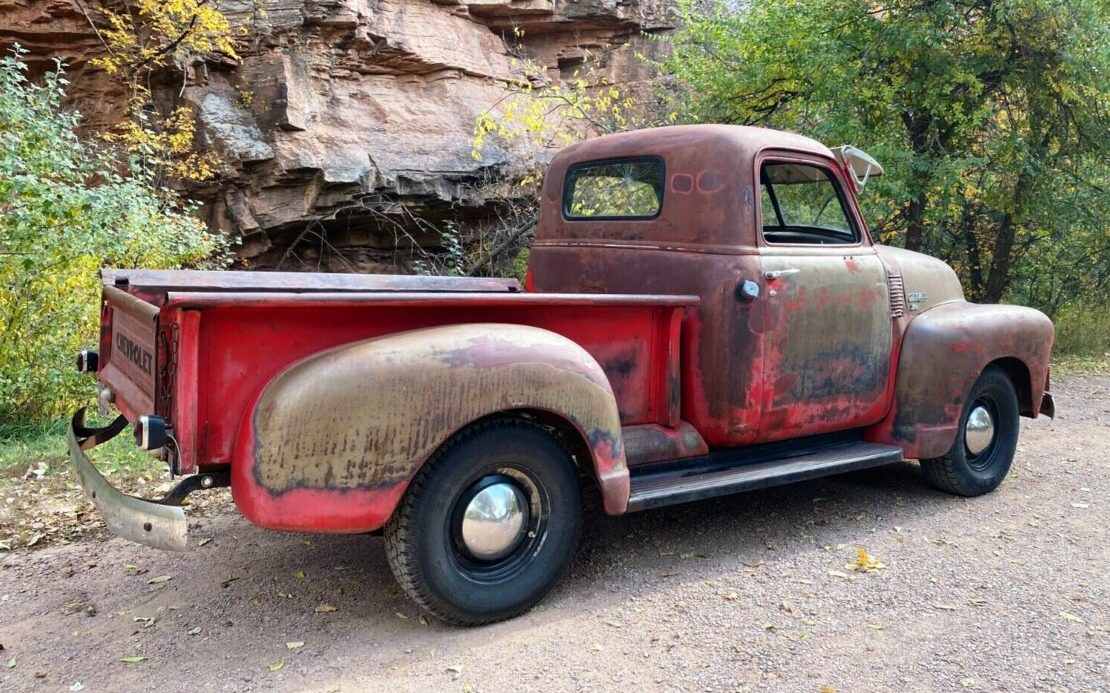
(154, 35)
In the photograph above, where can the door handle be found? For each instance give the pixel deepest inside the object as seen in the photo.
(778, 274)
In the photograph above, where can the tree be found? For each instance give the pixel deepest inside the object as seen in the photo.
(140, 41)
(66, 211)
(991, 115)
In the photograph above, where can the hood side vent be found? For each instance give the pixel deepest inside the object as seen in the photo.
(897, 294)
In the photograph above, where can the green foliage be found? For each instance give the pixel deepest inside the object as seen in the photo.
(1083, 329)
(44, 446)
(991, 117)
(66, 211)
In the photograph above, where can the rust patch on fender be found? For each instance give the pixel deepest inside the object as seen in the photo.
(365, 416)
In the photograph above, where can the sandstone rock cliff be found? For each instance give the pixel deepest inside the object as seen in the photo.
(361, 106)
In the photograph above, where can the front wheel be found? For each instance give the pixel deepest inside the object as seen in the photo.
(488, 525)
(986, 441)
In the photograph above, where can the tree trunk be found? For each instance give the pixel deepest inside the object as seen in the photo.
(974, 256)
(918, 129)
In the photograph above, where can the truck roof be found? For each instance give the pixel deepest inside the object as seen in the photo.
(705, 137)
(707, 191)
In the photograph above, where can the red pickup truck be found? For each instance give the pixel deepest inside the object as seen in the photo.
(705, 312)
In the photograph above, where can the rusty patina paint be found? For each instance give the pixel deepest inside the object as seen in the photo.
(653, 443)
(364, 417)
(742, 380)
(153, 285)
(944, 350)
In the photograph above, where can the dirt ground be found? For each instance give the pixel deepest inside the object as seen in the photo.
(1005, 592)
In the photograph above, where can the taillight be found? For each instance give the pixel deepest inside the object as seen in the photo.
(88, 361)
(150, 432)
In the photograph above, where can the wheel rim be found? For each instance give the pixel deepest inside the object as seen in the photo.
(497, 525)
(980, 432)
(494, 520)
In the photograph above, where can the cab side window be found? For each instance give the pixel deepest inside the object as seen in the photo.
(801, 203)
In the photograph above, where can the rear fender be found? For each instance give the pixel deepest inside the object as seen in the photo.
(943, 352)
(331, 443)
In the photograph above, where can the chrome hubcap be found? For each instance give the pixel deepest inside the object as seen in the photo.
(979, 430)
(495, 521)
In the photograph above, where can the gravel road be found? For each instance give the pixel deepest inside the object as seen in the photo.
(1005, 592)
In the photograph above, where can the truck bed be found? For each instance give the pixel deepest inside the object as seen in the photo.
(217, 340)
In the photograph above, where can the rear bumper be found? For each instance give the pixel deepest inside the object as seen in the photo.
(142, 521)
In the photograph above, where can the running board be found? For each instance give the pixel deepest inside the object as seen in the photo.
(722, 473)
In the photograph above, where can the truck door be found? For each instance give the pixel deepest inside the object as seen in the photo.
(827, 324)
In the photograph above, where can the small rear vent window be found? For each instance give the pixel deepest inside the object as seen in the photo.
(614, 189)
(897, 295)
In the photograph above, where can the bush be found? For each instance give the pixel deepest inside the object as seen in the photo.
(1083, 329)
(65, 211)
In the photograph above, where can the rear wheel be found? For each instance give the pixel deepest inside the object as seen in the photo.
(986, 441)
(488, 525)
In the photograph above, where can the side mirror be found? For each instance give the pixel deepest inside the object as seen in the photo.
(859, 163)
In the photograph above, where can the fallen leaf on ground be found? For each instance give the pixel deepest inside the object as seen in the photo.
(324, 608)
(455, 668)
(1080, 505)
(731, 596)
(944, 607)
(1071, 617)
(193, 631)
(299, 575)
(159, 580)
(294, 645)
(276, 666)
(865, 562)
(204, 541)
(11, 663)
(133, 659)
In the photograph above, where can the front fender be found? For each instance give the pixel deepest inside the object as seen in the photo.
(943, 352)
(332, 441)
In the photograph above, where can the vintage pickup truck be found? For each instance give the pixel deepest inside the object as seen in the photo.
(705, 312)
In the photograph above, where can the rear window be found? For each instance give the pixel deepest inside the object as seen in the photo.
(615, 189)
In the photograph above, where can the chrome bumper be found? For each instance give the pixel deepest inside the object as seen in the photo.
(142, 521)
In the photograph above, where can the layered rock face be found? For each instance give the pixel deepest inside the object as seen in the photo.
(350, 118)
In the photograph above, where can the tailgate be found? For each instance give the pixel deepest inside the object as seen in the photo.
(129, 328)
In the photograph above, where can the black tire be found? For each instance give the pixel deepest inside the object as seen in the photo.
(423, 540)
(965, 473)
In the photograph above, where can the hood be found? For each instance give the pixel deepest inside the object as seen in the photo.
(927, 280)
